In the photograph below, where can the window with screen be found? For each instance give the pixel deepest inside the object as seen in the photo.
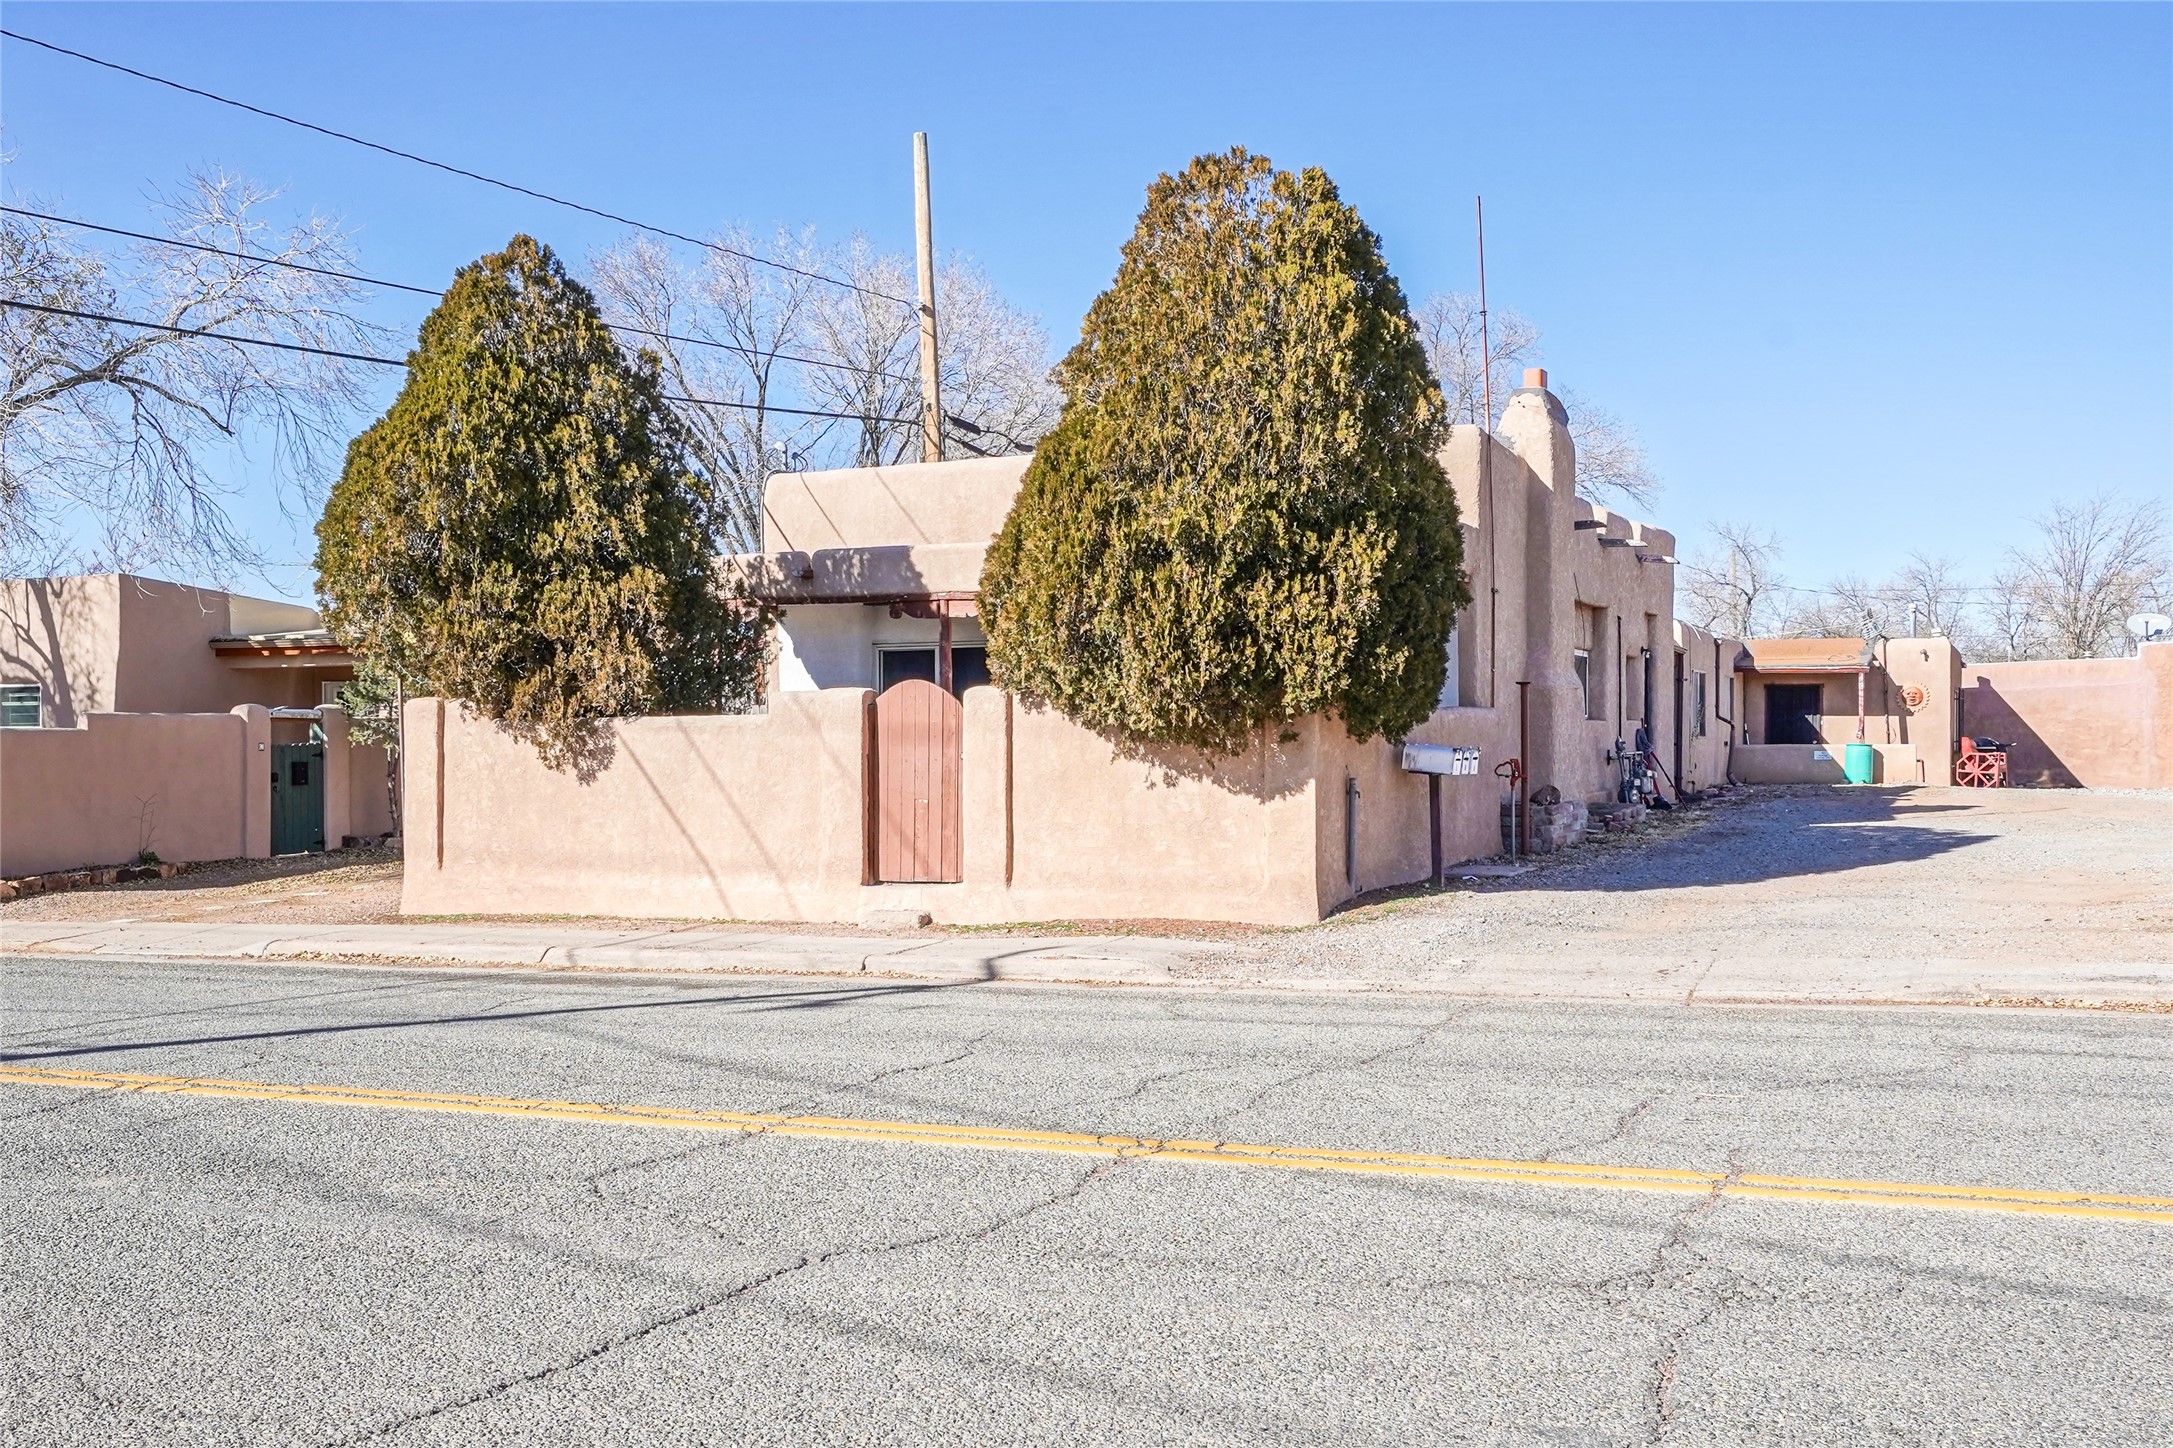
(22, 706)
(1581, 661)
(1697, 704)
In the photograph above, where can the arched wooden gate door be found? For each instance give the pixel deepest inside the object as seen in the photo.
(919, 734)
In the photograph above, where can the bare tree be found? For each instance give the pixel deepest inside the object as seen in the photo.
(1611, 464)
(2095, 563)
(1448, 328)
(994, 363)
(870, 344)
(728, 332)
(754, 347)
(1733, 587)
(2006, 626)
(123, 429)
(1933, 598)
(992, 359)
(1848, 607)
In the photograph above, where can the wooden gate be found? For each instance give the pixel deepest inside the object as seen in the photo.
(919, 730)
(297, 798)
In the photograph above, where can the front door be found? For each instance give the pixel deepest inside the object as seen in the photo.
(1792, 713)
(919, 735)
(297, 798)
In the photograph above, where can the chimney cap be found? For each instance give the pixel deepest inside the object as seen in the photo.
(1535, 377)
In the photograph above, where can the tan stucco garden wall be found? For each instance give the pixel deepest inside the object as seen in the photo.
(762, 817)
(2102, 723)
(181, 785)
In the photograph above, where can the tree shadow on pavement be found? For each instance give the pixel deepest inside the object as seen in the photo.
(1767, 837)
(815, 999)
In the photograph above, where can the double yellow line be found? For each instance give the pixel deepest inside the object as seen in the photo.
(2016, 1200)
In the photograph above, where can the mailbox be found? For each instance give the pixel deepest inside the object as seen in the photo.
(1439, 759)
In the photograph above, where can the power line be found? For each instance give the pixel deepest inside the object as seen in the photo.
(397, 362)
(747, 352)
(457, 170)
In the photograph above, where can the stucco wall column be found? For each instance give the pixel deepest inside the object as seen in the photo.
(256, 781)
(338, 814)
(1536, 428)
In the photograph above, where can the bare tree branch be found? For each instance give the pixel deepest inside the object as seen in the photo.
(132, 433)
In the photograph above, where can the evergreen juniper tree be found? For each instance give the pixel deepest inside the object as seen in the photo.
(1239, 519)
(521, 532)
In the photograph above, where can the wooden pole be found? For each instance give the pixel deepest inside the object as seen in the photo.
(924, 234)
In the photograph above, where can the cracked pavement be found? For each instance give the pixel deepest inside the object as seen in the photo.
(237, 1272)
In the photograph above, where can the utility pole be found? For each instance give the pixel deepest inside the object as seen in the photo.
(924, 231)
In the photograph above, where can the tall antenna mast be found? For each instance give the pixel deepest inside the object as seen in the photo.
(1486, 474)
(1486, 346)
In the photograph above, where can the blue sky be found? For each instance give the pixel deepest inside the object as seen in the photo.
(1878, 278)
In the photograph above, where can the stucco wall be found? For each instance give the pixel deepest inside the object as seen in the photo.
(64, 635)
(753, 816)
(117, 643)
(961, 501)
(762, 817)
(369, 801)
(176, 784)
(2103, 723)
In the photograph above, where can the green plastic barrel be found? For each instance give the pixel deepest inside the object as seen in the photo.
(1856, 764)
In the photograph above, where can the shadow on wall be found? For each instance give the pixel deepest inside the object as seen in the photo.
(50, 643)
(1826, 833)
(1984, 714)
(1273, 768)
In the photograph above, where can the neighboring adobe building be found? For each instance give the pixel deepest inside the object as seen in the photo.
(130, 710)
(884, 777)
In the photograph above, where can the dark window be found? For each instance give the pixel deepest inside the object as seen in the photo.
(1698, 704)
(298, 773)
(969, 666)
(1581, 661)
(902, 664)
(20, 706)
(1792, 713)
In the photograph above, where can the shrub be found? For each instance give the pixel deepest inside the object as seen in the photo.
(1239, 518)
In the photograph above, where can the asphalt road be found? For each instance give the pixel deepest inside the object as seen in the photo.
(492, 1268)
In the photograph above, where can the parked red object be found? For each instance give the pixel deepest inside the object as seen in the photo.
(1982, 764)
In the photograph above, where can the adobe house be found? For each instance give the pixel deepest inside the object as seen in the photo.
(1805, 700)
(886, 778)
(138, 714)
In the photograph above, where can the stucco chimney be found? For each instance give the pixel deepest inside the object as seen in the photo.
(1535, 377)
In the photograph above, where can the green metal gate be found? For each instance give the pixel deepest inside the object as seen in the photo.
(297, 798)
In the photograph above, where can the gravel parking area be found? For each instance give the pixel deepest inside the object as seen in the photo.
(1807, 873)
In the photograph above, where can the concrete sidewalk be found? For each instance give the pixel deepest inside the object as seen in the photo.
(1598, 974)
(1141, 960)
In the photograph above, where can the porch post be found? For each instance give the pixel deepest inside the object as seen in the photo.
(943, 645)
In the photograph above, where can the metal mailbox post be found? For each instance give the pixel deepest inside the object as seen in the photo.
(1434, 761)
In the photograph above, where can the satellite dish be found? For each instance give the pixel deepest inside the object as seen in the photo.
(2148, 626)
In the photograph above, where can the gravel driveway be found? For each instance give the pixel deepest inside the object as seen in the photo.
(1807, 873)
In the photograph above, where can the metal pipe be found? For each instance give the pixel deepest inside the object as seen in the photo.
(1521, 815)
